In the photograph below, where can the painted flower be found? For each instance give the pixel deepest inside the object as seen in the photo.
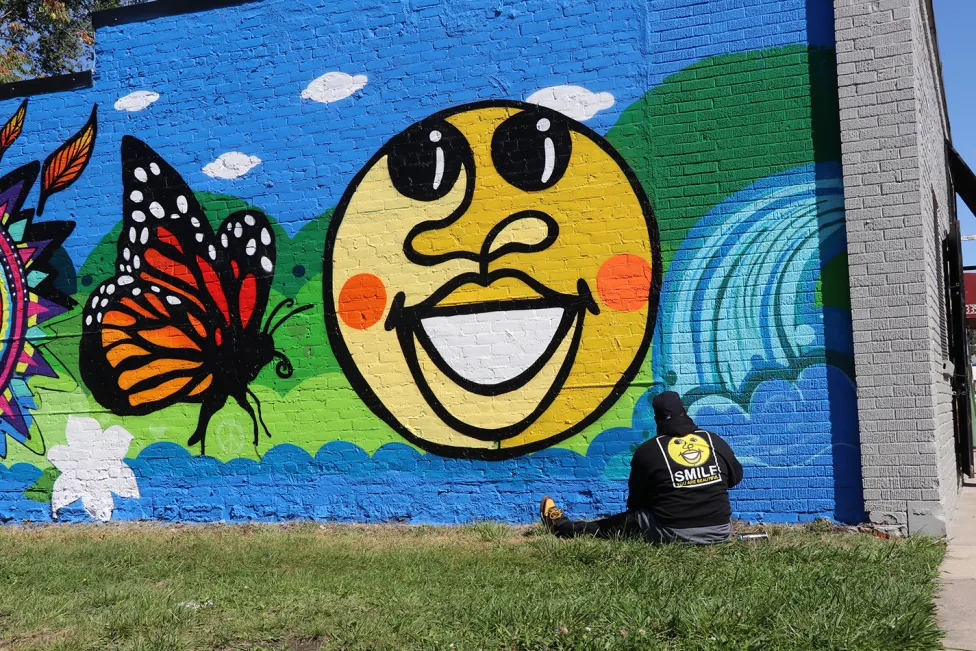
(27, 300)
(92, 468)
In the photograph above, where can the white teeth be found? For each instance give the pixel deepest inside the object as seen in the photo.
(489, 348)
(181, 204)
(265, 237)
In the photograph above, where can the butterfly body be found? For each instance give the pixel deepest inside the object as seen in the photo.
(181, 320)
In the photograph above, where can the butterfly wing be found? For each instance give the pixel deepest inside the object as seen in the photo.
(246, 253)
(152, 334)
(144, 348)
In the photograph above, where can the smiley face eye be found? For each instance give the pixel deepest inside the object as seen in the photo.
(531, 150)
(426, 159)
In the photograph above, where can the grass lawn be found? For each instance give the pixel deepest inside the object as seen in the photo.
(484, 586)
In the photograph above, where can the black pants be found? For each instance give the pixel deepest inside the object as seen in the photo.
(642, 524)
(621, 525)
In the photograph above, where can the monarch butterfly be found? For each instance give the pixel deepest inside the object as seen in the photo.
(180, 322)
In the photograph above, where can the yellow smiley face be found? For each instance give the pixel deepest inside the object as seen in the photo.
(690, 450)
(491, 279)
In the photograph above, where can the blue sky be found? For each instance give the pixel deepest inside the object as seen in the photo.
(954, 22)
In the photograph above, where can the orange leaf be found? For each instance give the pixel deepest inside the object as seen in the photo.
(12, 129)
(65, 165)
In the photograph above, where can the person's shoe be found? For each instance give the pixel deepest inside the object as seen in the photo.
(549, 513)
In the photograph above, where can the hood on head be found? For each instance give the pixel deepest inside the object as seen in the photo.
(671, 416)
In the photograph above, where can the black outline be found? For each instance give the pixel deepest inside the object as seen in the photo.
(45, 85)
(157, 9)
(399, 314)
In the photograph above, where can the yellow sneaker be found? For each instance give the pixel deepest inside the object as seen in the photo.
(549, 513)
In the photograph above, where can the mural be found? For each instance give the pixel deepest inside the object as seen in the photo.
(363, 278)
(28, 296)
(181, 321)
(488, 282)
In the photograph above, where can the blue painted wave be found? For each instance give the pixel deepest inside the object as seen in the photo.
(739, 301)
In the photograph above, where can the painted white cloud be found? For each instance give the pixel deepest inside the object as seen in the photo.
(574, 101)
(231, 165)
(333, 86)
(92, 468)
(136, 101)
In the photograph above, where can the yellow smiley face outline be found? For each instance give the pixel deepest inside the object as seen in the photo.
(691, 450)
(444, 412)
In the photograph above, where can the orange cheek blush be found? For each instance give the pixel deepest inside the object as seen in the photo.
(362, 301)
(624, 282)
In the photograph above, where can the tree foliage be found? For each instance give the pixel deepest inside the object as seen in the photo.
(39, 38)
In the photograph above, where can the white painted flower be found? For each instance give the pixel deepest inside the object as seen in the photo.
(136, 101)
(574, 101)
(231, 165)
(333, 86)
(92, 468)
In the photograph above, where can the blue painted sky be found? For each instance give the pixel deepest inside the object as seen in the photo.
(954, 22)
(232, 79)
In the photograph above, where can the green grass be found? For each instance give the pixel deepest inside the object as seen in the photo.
(482, 586)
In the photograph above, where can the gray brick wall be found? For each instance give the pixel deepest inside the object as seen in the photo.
(893, 127)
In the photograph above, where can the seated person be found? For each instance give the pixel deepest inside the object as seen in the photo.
(679, 483)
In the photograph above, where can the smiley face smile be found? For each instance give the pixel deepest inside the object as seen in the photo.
(692, 456)
(490, 346)
(493, 346)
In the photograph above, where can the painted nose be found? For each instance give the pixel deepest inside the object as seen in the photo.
(526, 231)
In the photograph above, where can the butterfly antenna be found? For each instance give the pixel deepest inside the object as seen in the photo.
(285, 303)
(260, 415)
(297, 310)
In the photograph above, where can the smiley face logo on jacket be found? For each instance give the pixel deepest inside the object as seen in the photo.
(690, 459)
(690, 450)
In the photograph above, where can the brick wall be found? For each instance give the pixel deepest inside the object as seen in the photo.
(893, 129)
(513, 225)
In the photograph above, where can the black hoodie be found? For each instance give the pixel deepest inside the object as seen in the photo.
(683, 474)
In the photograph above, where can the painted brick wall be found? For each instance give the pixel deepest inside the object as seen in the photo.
(894, 127)
(512, 227)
